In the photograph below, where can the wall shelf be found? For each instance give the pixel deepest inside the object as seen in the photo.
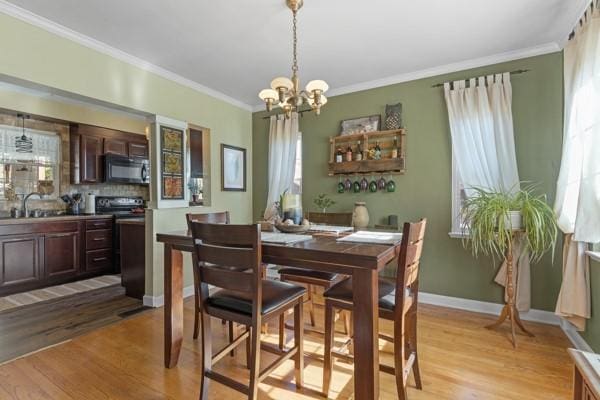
(384, 165)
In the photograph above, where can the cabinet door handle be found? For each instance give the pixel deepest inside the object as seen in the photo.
(99, 259)
(98, 223)
(98, 239)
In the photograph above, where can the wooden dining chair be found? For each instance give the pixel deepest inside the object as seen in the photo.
(212, 218)
(311, 278)
(400, 308)
(243, 297)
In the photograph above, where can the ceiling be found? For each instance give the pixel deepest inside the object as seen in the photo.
(237, 47)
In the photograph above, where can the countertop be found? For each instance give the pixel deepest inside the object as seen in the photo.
(131, 221)
(13, 221)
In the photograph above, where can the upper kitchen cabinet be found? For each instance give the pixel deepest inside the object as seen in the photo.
(89, 143)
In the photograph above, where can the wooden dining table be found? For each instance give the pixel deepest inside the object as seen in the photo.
(323, 253)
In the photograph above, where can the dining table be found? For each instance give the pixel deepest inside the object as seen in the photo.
(361, 261)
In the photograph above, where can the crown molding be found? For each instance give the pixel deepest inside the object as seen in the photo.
(101, 47)
(441, 70)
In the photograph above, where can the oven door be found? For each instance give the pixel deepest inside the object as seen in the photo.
(119, 169)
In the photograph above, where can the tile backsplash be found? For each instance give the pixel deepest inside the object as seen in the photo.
(66, 187)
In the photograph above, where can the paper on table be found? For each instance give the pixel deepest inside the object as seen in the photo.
(330, 228)
(283, 238)
(372, 237)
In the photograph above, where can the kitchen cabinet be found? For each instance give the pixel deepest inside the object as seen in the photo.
(61, 254)
(35, 254)
(19, 261)
(91, 150)
(116, 146)
(88, 145)
(138, 150)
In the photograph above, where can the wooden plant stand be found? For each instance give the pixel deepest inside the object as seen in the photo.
(510, 309)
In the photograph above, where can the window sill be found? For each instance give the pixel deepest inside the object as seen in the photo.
(458, 235)
(594, 255)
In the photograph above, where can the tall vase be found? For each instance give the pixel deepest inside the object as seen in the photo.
(360, 216)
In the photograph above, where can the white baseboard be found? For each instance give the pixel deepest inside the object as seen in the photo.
(544, 317)
(159, 301)
(578, 342)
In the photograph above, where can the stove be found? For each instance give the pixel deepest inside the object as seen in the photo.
(120, 207)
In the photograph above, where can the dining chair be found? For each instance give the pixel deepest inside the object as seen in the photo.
(401, 308)
(311, 278)
(212, 218)
(242, 297)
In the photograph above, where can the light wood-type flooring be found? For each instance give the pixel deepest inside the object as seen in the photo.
(459, 360)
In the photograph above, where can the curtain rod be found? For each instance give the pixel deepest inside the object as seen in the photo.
(583, 19)
(515, 72)
(299, 113)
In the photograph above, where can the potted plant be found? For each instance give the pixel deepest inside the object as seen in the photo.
(323, 202)
(195, 187)
(494, 218)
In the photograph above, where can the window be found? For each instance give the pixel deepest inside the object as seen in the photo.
(23, 173)
(297, 185)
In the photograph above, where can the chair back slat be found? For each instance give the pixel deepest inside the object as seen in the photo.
(226, 256)
(219, 247)
(409, 258)
(227, 279)
(211, 218)
(337, 219)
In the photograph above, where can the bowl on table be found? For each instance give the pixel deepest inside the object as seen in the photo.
(285, 228)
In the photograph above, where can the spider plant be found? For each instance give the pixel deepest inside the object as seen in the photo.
(489, 229)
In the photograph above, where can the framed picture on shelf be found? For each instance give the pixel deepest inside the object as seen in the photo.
(233, 168)
(354, 126)
(172, 163)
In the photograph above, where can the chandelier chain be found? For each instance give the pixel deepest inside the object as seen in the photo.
(295, 62)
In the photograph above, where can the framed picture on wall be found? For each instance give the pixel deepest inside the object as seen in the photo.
(172, 163)
(233, 168)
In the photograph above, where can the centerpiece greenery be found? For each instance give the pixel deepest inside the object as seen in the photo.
(323, 202)
(490, 230)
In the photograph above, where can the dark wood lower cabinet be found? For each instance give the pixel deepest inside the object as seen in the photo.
(61, 254)
(38, 254)
(19, 262)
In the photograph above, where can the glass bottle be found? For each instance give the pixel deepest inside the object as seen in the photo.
(377, 151)
(359, 152)
(349, 153)
(395, 148)
(339, 156)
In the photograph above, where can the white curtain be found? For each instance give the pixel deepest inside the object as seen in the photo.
(578, 188)
(482, 132)
(483, 147)
(283, 137)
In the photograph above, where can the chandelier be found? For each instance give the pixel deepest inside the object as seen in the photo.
(285, 92)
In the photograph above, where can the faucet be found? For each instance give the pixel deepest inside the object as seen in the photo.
(24, 207)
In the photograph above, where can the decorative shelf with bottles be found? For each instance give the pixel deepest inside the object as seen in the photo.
(373, 152)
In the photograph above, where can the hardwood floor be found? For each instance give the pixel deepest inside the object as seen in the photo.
(36, 326)
(459, 360)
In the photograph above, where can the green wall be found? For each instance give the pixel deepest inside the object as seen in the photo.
(592, 333)
(425, 189)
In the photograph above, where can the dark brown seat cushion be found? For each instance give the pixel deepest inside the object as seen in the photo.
(308, 273)
(275, 294)
(343, 291)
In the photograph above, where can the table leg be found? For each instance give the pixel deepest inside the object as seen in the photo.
(173, 309)
(366, 334)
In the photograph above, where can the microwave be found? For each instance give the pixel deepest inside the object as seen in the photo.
(122, 169)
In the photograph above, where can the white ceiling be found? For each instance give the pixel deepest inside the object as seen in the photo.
(237, 46)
